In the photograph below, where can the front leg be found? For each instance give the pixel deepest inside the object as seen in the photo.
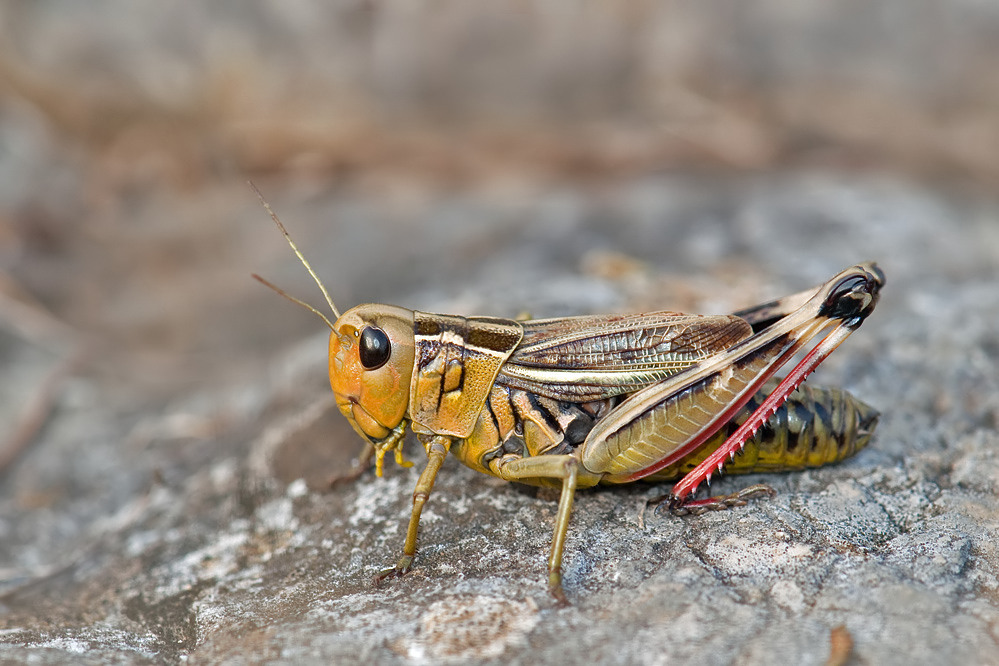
(364, 462)
(376, 453)
(437, 448)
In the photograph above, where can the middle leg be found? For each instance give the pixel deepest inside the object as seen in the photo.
(568, 469)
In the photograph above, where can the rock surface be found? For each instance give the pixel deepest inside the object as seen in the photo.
(202, 531)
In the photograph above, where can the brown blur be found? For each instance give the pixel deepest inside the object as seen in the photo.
(127, 131)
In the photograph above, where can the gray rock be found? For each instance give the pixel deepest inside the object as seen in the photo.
(198, 528)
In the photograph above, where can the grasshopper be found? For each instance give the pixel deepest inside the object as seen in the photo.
(578, 401)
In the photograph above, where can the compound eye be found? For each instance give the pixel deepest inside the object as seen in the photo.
(374, 348)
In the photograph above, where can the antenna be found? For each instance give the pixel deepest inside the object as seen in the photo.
(301, 258)
(291, 298)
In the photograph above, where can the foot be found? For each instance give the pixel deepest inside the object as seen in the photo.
(555, 588)
(683, 507)
(364, 463)
(401, 567)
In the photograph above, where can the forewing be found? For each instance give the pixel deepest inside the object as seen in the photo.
(581, 359)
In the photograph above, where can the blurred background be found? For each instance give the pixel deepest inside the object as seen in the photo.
(381, 131)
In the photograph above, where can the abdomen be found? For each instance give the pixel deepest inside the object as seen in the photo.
(816, 426)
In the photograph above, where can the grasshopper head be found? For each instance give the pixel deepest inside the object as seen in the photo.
(372, 348)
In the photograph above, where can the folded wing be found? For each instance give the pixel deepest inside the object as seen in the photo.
(581, 359)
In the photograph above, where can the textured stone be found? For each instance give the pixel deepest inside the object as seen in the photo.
(151, 536)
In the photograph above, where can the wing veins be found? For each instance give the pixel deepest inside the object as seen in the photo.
(589, 358)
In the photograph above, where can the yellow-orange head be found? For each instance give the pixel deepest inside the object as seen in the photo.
(372, 349)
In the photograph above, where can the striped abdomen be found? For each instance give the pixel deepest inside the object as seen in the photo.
(816, 426)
